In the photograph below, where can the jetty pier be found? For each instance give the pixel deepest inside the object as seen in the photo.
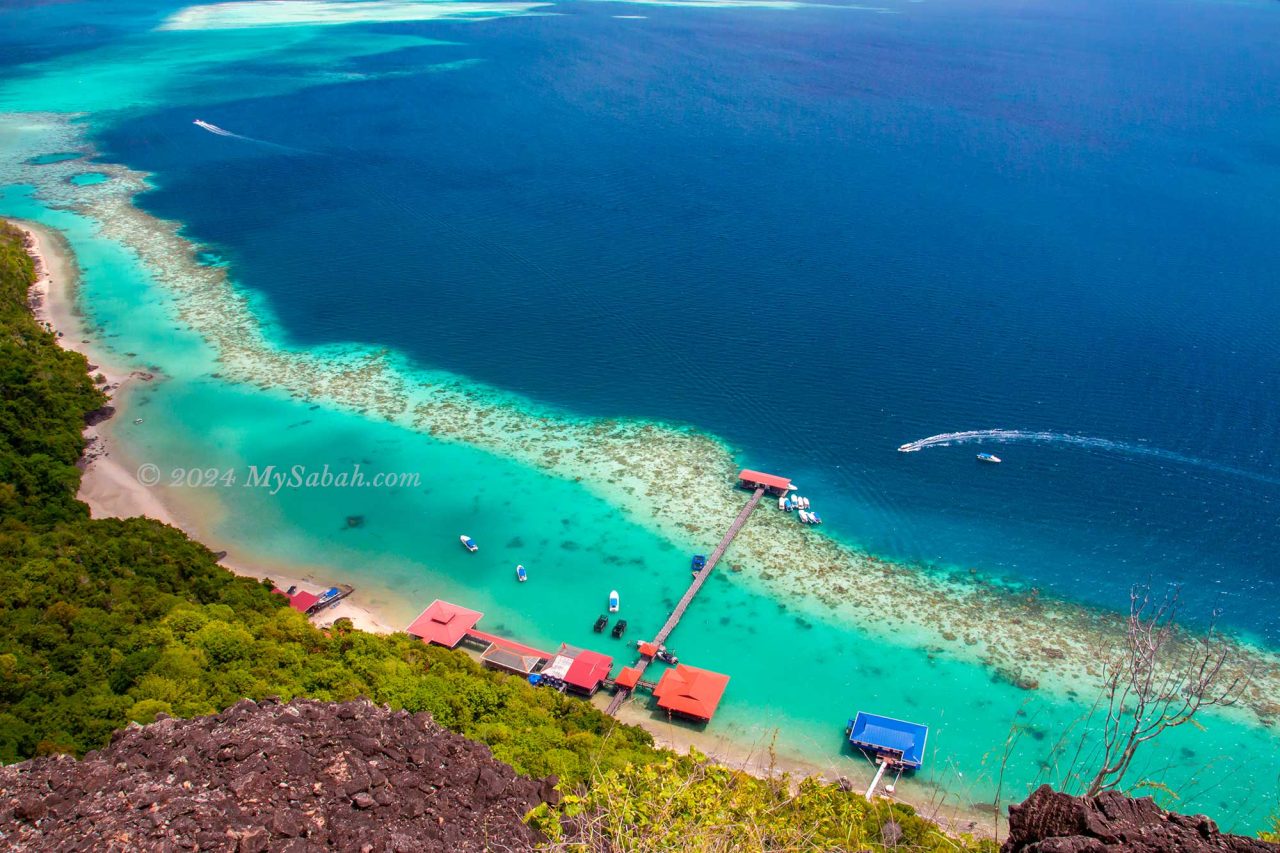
(760, 483)
(682, 691)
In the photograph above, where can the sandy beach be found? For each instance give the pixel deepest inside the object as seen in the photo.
(111, 490)
(108, 485)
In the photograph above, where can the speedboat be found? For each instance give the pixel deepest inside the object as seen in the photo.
(989, 457)
(619, 628)
(804, 516)
(614, 601)
(804, 502)
(814, 518)
(782, 503)
(906, 448)
(698, 563)
(601, 623)
(469, 543)
(521, 574)
(789, 505)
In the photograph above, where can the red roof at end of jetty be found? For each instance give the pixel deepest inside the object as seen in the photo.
(746, 475)
(588, 670)
(443, 623)
(627, 678)
(647, 649)
(690, 692)
(300, 601)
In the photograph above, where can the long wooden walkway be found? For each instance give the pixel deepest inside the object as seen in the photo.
(674, 619)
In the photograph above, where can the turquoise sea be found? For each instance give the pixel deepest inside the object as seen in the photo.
(571, 262)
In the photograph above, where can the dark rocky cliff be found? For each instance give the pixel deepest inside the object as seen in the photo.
(300, 776)
(1050, 822)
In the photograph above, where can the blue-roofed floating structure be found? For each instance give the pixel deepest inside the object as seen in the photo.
(896, 744)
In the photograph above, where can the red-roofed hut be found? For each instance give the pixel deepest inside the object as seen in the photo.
(443, 623)
(301, 601)
(628, 678)
(692, 693)
(772, 483)
(587, 671)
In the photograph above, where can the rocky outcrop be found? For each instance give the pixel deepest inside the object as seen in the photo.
(1050, 822)
(293, 777)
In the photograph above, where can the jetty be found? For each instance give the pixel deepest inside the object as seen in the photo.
(760, 483)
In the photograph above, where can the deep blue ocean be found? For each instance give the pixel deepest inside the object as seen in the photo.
(820, 233)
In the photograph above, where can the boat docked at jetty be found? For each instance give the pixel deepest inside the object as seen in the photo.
(989, 457)
(804, 503)
(814, 518)
(782, 503)
(468, 543)
(614, 601)
(521, 574)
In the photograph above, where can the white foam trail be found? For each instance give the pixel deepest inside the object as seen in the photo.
(1004, 436)
(220, 131)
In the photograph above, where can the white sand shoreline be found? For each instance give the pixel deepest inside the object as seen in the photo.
(108, 484)
(111, 490)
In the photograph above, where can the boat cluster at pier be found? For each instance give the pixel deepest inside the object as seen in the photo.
(682, 691)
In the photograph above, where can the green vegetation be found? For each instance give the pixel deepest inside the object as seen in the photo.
(688, 803)
(44, 395)
(107, 621)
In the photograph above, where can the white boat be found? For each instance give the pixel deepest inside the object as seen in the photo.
(804, 502)
(989, 457)
(468, 543)
(814, 518)
(804, 516)
(782, 503)
(521, 574)
(614, 601)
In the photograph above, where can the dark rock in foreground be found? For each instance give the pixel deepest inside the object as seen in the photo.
(1050, 822)
(300, 776)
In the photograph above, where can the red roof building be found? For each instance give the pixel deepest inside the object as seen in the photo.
(688, 692)
(444, 624)
(628, 678)
(587, 671)
(772, 483)
(300, 601)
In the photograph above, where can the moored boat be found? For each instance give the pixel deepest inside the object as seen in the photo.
(989, 457)
(804, 516)
(782, 503)
(619, 628)
(804, 502)
(600, 623)
(814, 518)
(614, 601)
(468, 543)
(521, 574)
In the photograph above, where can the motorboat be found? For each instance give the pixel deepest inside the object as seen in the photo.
(601, 623)
(804, 503)
(469, 543)
(521, 574)
(614, 601)
(814, 518)
(782, 503)
(619, 628)
(989, 457)
(698, 563)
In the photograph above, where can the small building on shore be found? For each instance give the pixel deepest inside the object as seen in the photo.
(772, 483)
(587, 672)
(690, 693)
(443, 623)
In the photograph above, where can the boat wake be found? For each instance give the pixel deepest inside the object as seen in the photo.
(221, 131)
(1005, 436)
